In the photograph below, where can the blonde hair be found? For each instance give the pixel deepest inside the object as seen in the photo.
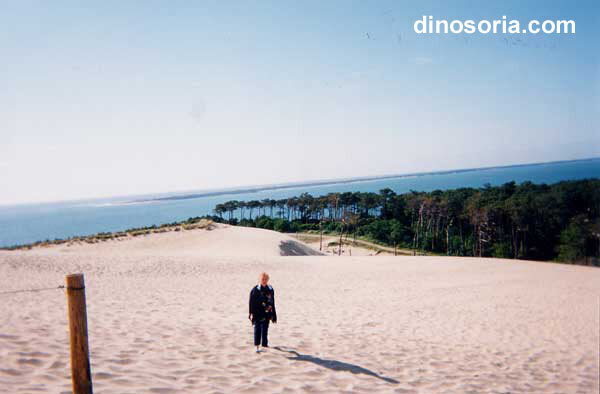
(263, 274)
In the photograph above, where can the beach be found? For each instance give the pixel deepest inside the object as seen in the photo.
(168, 313)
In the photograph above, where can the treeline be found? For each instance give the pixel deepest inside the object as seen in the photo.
(522, 221)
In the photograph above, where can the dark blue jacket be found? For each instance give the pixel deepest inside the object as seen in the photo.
(262, 303)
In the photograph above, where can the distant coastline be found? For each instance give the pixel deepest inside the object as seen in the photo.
(256, 189)
(543, 222)
(30, 223)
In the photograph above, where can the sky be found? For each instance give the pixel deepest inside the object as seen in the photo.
(131, 97)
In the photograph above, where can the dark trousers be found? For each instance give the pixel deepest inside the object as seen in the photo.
(261, 330)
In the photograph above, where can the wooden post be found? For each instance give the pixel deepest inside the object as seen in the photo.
(80, 355)
(341, 233)
(321, 236)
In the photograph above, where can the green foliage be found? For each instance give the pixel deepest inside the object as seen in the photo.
(295, 227)
(573, 240)
(247, 223)
(281, 225)
(264, 222)
(501, 250)
(529, 221)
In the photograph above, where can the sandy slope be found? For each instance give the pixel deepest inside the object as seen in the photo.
(168, 314)
(218, 240)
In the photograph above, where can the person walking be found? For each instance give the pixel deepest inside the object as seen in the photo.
(262, 310)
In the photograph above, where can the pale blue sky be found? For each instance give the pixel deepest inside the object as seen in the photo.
(124, 97)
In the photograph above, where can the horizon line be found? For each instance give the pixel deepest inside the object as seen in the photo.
(338, 181)
(199, 193)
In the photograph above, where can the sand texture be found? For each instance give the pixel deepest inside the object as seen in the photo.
(167, 313)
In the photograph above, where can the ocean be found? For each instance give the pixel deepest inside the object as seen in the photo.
(27, 223)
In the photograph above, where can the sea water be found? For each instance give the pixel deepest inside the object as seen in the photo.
(27, 223)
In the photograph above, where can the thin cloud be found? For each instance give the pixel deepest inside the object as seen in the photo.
(198, 110)
(423, 60)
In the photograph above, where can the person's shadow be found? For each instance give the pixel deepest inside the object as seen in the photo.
(334, 364)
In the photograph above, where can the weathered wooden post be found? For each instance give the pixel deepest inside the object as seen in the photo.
(321, 235)
(80, 356)
(341, 233)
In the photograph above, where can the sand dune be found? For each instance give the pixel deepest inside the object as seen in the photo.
(217, 240)
(168, 314)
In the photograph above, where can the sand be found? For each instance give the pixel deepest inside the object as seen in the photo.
(350, 247)
(168, 314)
